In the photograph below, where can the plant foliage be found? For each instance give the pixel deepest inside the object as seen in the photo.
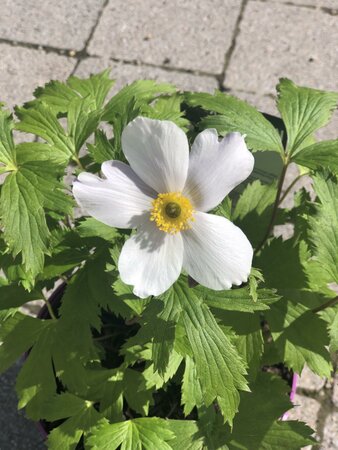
(107, 370)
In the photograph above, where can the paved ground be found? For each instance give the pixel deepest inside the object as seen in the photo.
(240, 46)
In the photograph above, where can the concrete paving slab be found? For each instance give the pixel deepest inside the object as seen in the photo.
(279, 40)
(127, 73)
(60, 24)
(313, 3)
(330, 440)
(23, 69)
(17, 432)
(178, 33)
(310, 381)
(305, 409)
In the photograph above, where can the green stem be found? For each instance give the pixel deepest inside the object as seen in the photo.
(78, 162)
(275, 206)
(50, 309)
(331, 302)
(290, 187)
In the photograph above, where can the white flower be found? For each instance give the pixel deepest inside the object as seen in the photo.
(165, 193)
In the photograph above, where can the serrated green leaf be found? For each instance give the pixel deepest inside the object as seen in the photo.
(90, 227)
(321, 155)
(24, 195)
(136, 392)
(89, 291)
(333, 331)
(13, 296)
(102, 150)
(300, 337)
(237, 299)
(168, 108)
(20, 337)
(268, 400)
(38, 151)
(304, 111)
(96, 87)
(145, 433)
(141, 90)
(191, 387)
(324, 227)
(7, 147)
(218, 365)
(41, 121)
(68, 434)
(34, 387)
(187, 435)
(253, 210)
(237, 115)
(248, 339)
(83, 119)
(56, 95)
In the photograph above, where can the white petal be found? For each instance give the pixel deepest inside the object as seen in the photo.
(215, 168)
(217, 254)
(151, 260)
(122, 200)
(158, 152)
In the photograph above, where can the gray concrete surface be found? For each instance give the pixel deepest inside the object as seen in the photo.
(242, 46)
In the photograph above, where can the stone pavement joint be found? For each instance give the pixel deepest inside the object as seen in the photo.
(231, 49)
(84, 52)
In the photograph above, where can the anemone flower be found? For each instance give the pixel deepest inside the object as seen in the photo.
(165, 193)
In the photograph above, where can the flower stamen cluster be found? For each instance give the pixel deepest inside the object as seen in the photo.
(172, 212)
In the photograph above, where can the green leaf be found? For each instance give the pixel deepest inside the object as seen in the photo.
(88, 292)
(256, 427)
(324, 227)
(96, 87)
(136, 392)
(38, 151)
(300, 337)
(333, 331)
(322, 155)
(13, 296)
(41, 121)
(35, 386)
(7, 147)
(253, 210)
(20, 338)
(63, 406)
(24, 195)
(68, 434)
(168, 108)
(102, 150)
(145, 433)
(83, 119)
(191, 387)
(187, 435)
(248, 339)
(218, 365)
(237, 115)
(90, 227)
(142, 90)
(58, 95)
(237, 299)
(304, 111)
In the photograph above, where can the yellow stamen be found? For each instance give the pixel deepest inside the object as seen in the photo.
(172, 212)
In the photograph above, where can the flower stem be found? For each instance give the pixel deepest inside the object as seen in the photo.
(290, 187)
(78, 162)
(50, 309)
(275, 206)
(325, 305)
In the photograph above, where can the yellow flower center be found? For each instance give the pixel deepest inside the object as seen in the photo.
(172, 212)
